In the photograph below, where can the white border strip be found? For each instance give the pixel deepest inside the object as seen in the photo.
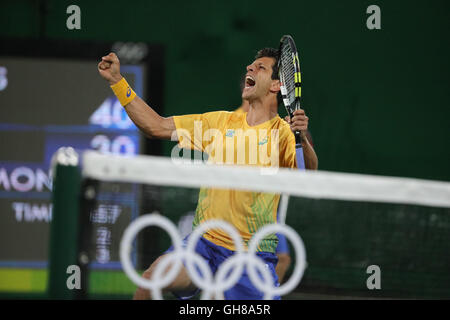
(310, 184)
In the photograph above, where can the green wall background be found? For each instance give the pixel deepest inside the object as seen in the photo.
(378, 100)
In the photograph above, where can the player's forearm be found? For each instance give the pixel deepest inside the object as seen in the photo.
(309, 155)
(144, 117)
(148, 120)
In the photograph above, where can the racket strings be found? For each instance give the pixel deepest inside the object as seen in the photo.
(288, 71)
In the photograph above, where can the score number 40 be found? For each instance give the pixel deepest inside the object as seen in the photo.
(111, 115)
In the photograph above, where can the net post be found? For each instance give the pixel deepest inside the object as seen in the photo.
(64, 230)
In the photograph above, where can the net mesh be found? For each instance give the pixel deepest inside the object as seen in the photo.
(409, 242)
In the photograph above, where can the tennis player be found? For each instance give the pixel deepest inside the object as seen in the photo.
(246, 211)
(311, 163)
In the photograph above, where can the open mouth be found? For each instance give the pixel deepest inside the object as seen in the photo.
(249, 82)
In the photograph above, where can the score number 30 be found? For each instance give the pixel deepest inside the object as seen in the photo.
(111, 115)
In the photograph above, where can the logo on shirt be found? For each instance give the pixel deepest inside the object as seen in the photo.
(229, 133)
(263, 142)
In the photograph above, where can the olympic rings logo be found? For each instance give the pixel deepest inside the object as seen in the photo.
(211, 284)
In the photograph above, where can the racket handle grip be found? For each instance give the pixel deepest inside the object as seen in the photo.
(300, 158)
(299, 151)
(298, 139)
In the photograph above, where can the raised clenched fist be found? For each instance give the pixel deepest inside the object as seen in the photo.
(109, 68)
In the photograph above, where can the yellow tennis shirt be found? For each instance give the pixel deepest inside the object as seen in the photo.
(228, 139)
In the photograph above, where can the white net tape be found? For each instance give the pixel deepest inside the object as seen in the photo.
(311, 184)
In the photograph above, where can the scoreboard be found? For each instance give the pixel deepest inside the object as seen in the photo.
(48, 102)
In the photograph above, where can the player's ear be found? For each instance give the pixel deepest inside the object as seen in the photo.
(275, 86)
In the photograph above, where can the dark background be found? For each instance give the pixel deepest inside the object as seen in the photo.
(377, 99)
(377, 102)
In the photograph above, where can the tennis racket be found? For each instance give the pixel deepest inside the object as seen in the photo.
(291, 90)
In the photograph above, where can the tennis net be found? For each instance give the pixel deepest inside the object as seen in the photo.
(364, 236)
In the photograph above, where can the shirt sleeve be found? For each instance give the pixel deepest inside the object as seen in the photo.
(191, 128)
(288, 157)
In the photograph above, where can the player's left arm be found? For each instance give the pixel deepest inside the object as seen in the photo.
(299, 122)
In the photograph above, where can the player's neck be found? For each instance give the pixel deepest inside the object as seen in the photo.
(259, 112)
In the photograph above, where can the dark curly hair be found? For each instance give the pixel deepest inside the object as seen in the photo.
(275, 54)
(271, 53)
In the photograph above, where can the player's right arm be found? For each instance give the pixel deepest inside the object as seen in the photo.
(143, 116)
(300, 123)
